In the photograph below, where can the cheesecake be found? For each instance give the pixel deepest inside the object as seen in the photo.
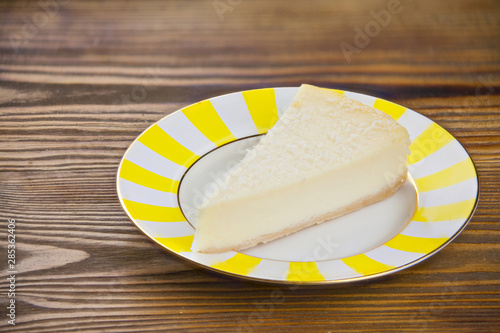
(326, 156)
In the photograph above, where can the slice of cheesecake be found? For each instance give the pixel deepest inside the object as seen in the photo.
(326, 156)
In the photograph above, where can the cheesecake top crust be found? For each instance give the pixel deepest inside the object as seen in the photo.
(321, 131)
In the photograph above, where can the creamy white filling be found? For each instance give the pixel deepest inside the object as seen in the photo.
(235, 222)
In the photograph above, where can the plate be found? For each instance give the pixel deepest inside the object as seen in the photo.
(167, 170)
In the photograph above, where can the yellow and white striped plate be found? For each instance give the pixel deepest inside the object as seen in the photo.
(152, 170)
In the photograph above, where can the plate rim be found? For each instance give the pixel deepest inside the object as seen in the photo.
(284, 281)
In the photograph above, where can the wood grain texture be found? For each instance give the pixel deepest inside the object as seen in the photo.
(78, 88)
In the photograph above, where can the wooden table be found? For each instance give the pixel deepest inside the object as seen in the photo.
(79, 80)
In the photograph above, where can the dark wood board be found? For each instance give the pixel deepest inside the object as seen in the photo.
(80, 80)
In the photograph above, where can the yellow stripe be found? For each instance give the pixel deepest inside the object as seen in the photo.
(415, 244)
(338, 91)
(433, 138)
(262, 106)
(450, 176)
(159, 141)
(241, 264)
(457, 210)
(136, 174)
(146, 212)
(365, 265)
(204, 117)
(177, 244)
(304, 271)
(392, 109)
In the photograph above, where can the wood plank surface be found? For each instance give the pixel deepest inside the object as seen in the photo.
(80, 80)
